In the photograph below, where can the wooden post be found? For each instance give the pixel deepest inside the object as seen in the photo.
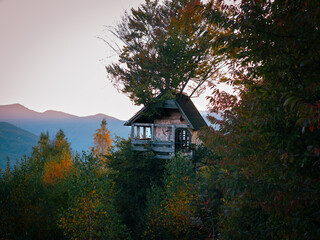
(152, 132)
(144, 132)
(173, 137)
(132, 131)
(173, 133)
(138, 132)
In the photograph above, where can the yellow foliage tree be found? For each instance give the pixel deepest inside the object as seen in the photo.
(91, 213)
(57, 169)
(59, 164)
(86, 219)
(171, 210)
(102, 140)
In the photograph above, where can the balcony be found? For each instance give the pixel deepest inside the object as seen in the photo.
(159, 138)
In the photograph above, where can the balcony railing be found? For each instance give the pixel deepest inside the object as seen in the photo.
(159, 138)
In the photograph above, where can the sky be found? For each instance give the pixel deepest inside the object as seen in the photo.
(51, 57)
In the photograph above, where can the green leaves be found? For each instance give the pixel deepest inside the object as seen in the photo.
(267, 134)
(53, 195)
(166, 48)
(132, 173)
(171, 207)
(91, 212)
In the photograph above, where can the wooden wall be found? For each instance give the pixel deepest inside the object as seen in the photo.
(171, 116)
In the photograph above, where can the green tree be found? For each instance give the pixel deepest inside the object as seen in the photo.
(166, 49)
(268, 137)
(172, 208)
(132, 173)
(29, 207)
(90, 213)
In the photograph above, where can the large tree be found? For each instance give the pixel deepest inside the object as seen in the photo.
(32, 194)
(166, 48)
(132, 173)
(269, 135)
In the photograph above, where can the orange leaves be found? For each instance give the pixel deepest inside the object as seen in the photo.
(57, 170)
(311, 128)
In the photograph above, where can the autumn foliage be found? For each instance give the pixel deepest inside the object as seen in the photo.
(255, 177)
(102, 140)
(171, 209)
(91, 213)
(58, 165)
(57, 170)
(53, 194)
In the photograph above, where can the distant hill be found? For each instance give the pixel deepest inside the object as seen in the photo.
(79, 130)
(14, 143)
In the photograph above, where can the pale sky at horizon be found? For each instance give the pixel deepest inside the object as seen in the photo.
(51, 57)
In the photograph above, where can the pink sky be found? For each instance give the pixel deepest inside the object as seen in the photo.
(51, 57)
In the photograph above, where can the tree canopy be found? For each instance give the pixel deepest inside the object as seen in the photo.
(269, 134)
(166, 48)
(102, 140)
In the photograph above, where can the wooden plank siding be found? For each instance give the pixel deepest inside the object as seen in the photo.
(174, 129)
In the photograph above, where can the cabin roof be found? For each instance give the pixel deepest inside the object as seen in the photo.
(184, 104)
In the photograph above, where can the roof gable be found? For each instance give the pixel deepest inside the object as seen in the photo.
(190, 111)
(184, 104)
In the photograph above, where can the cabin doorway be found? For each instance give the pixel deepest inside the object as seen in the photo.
(182, 140)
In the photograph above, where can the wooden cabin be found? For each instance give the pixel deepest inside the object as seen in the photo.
(174, 130)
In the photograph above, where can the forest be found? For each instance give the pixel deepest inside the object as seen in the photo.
(255, 175)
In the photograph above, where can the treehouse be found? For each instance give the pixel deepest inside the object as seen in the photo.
(173, 128)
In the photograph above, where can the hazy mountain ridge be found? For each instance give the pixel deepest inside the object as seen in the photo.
(18, 111)
(79, 130)
(14, 143)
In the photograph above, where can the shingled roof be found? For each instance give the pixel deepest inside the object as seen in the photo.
(184, 104)
(190, 111)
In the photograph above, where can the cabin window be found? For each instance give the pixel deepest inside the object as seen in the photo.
(142, 132)
(182, 140)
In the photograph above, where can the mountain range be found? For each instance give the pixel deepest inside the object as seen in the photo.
(79, 130)
(21, 127)
(14, 142)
